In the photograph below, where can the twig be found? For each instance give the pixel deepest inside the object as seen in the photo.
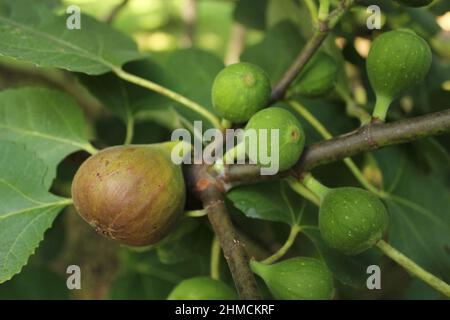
(324, 28)
(209, 191)
(370, 137)
(189, 15)
(115, 11)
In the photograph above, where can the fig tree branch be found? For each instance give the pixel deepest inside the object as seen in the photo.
(115, 11)
(211, 194)
(369, 137)
(323, 29)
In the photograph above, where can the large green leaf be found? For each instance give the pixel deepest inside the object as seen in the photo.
(274, 201)
(251, 14)
(31, 32)
(26, 208)
(192, 72)
(419, 212)
(189, 72)
(143, 276)
(128, 101)
(349, 270)
(47, 122)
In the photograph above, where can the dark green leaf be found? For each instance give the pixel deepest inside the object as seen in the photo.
(31, 32)
(27, 210)
(274, 201)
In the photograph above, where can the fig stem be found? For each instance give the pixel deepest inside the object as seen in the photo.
(215, 258)
(320, 128)
(413, 268)
(295, 230)
(130, 129)
(312, 8)
(324, 9)
(303, 191)
(315, 186)
(194, 106)
(381, 108)
(89, 148)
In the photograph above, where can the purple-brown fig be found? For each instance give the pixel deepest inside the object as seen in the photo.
(133, 194)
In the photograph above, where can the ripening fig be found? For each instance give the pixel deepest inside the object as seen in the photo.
(239, 91)
(133, 194)
(290, 133)
(352, 220)
(317, 78)
(415, 3)
(296, 279)
(202, 288)
(397, 61)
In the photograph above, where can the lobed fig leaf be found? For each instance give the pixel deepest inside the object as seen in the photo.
(202, 288)
(240, 90)
(352, 220)
(132, 194)
(297, 279)
(317, 78)
(397, 61)
(291, 136)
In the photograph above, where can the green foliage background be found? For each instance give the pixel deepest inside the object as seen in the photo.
(49, 118)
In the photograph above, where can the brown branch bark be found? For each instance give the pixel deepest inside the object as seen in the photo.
(210, 193)
(324, 28)
(370, 137)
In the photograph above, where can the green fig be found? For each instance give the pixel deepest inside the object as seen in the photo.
(239, 91)
(202, 288)
(291, 136)
(397, 61)
(133, 194)
(351, 220)
(317, 78)
(415, 3)
(296, 279)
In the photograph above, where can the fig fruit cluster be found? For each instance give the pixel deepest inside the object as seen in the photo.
(397, 61)
(239, 91)
(298, 278)
(290, 133)
(317, 78)
(352, 220)
(202, 288)
(132, 194)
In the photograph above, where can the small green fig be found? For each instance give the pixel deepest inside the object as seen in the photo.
(202, 288)
(239, 91)
(296, 279)
(317, 78)
(415, 3)
(133, 194)
(397, 61)
(291, 136)
(351, 220)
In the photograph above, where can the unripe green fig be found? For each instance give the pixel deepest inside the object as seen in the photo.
(351, 220)
(202, 288)
(296, 279)
(290, 133)
(397, 61)
(317, 78)
(415, 3)
(133, 194)
(239, 91)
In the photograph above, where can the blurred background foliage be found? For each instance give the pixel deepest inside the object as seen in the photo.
(188, 42)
